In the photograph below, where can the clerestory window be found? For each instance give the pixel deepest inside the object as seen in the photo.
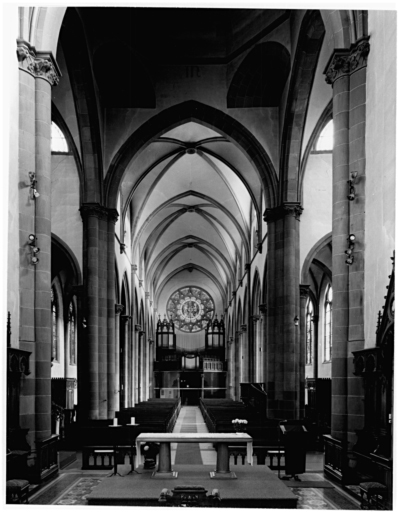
(309, 321)
(54, 326)
(328, 324)
(58, 141)
(72, 334)
(325, 139)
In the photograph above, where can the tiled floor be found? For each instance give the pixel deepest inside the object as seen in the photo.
(73, 484)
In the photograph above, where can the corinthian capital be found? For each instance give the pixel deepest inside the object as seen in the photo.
(37, 63)
(345, 62)
(283, 210)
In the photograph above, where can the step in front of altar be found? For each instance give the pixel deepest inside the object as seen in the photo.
(255, 487)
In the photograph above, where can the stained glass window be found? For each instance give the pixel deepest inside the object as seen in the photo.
(72, 335)
(328, 323)
(309, 320)
(190, 308)
(54, 321)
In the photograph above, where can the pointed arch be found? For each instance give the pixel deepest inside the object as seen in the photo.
(191, 111)
(325, 240)
(309, 45)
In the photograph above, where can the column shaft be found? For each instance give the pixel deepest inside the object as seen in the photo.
(103, 319)
(43, 268)
(346, 70)
(118, 310)
(112, 368)
(27, 271)
(285, 377)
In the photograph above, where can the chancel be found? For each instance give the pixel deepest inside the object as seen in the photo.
(201, 235)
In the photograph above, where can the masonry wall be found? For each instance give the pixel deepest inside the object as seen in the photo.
(11, 179)
(380, 164)
(316, 219)
(66, 221)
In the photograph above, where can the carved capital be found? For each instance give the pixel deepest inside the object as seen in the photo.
(247, 267)
(122, 248)
(255, 318)
(125, 318)
(263, 308)
(147, 295)
(119, 308)
(304, 290)
(279, 212)
(113, 215)
(93, 210)
(344, 62)
(134, 268)
(37, 63)
(137, 328)
(243, 328)
(260, 247)
(151, 303)
(140, 283)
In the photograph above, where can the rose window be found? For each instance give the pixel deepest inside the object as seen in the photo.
(190, 308)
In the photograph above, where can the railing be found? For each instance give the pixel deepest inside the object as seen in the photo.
(335, 458)
(46, 459)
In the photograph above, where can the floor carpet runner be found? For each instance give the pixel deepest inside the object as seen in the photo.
(188, 453)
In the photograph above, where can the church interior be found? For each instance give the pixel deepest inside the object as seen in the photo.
(201, 229)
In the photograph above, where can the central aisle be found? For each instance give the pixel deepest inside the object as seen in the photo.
(191, 420)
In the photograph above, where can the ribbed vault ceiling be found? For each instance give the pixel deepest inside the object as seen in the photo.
(193, 195)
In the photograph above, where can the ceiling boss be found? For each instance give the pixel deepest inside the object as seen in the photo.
(190, 308)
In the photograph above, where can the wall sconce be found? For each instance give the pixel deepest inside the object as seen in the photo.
(33, 249)
(84, 323)
(351, 188)
(296, 320)
(34, 194)
(350, 251)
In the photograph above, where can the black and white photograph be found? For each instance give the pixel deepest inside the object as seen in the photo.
(199, 221)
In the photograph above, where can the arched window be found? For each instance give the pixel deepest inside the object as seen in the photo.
(58, 141)
(72, 334)
(325, 139)
(54, 326)
(309, 322)
(328, 324)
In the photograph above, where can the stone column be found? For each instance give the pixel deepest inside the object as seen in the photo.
(256, 348)
(283, 305)
(346, 71)
(144, 365)
(78, 291)
(304, 289)
(231, 368)
(38, 72)
(250, 338)
(263, 343)
(238, 362)
(315, 322)
(95, 255)
(138, 362)
(118, 311)
(124, 369)
(151, 393)
(244, 355)
(111, 369)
